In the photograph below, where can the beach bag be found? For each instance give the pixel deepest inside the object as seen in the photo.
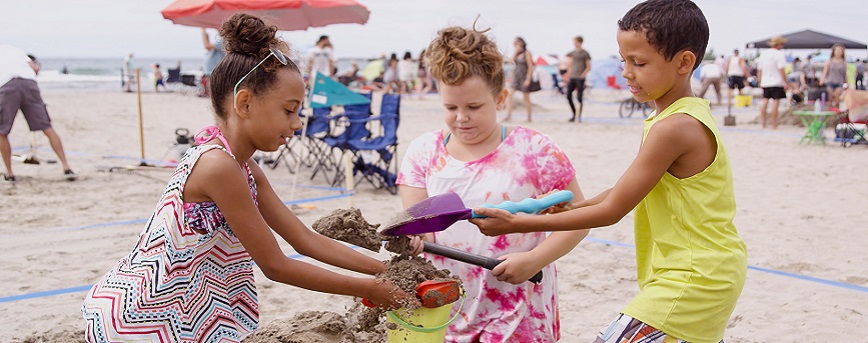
(534, 82)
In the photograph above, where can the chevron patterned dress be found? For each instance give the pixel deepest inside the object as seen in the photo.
(188, 279)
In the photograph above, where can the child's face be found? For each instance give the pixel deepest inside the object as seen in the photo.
(649, 75)
(471, 110)
(274, 112)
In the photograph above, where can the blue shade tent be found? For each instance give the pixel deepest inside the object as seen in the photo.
(601, 69)
(327, 92)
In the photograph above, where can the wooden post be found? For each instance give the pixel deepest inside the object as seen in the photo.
(348, 177)
(141, 125)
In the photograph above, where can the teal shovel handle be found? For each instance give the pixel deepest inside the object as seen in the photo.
(531, 205)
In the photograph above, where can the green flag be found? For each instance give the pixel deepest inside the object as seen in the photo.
(327, 92)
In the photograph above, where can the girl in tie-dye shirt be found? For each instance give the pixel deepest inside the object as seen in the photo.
(486, 162)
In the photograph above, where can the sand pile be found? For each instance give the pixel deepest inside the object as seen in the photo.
(405, 271)
(348, 225)
(317, 327)
(61, 334)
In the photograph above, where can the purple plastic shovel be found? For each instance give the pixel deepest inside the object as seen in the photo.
(440, 211)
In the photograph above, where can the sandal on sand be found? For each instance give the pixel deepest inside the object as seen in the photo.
(69, 175)
(8, 178)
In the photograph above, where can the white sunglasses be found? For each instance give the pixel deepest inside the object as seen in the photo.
(274, 52)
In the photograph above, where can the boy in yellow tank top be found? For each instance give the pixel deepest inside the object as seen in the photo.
(691, 263)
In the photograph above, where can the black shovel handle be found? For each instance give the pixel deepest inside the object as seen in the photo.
(476, 260)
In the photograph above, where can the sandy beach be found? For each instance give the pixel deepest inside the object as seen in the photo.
(801, 211)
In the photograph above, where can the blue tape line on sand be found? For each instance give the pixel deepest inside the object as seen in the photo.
(592, 239)
(759, 269)
(330, 197)
(137, 221)
(71, 290)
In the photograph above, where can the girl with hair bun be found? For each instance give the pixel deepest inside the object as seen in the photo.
(189, 277)
(486, 162)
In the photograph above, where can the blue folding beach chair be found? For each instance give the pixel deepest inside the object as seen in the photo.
(350, 125)
(375, 158)
(305, 148)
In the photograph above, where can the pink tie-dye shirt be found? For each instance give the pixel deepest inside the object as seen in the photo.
(526, 164)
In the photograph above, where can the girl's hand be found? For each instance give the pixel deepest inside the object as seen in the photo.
(417, 242)
(499, 222)
(385, 295)
(516, 268)
(526, 83)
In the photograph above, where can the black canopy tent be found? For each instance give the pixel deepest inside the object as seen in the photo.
(809, 39)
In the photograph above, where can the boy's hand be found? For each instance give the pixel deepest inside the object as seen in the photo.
(516, 268)
(562, 207)
(499, 222)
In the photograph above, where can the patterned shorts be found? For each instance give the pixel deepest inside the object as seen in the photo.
(625, 329)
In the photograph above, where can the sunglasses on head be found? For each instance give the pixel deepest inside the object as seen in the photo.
(274, 52)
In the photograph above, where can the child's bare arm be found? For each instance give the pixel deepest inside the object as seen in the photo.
(224, 182)
(669, 140)
(306, 241)
(592, 201)
(519, 267)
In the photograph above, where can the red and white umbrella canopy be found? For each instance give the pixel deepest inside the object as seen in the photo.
(287, 15)
(545, 60)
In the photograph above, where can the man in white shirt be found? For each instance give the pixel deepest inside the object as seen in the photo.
(772, 79)
(736, 73)
(19, 91)
(320, 58)
(710, 74)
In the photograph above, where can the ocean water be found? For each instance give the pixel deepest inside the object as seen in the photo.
(89, 74)
(104, 74)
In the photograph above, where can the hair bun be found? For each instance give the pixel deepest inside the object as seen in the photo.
(248, 35)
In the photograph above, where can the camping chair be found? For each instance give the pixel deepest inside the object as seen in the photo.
(612, 84)
(309, 144)
(190, 83)
(376, 158)
(852, 127)
(173, 79)
(350, 125)
(556, 82)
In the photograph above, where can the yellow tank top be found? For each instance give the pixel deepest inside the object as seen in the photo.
(690, 261)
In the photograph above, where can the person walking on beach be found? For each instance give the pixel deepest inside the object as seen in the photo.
(772, 78)
(477, 158)
(577, 72)
(522, 77)
(158, 78)
(859, 82)
(214, 53)
(710, 75)
(835, 74)
(19, 91)
(736, 73)
(320, 58)
(690, 261)
(190, 276)
(809, 72)
(129, 73)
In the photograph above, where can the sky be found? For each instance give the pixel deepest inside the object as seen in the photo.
(114, 28)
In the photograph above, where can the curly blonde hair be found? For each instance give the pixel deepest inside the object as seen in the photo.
(459, 53)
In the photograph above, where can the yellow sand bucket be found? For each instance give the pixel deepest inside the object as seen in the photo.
(422, 325)
(743, 100)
